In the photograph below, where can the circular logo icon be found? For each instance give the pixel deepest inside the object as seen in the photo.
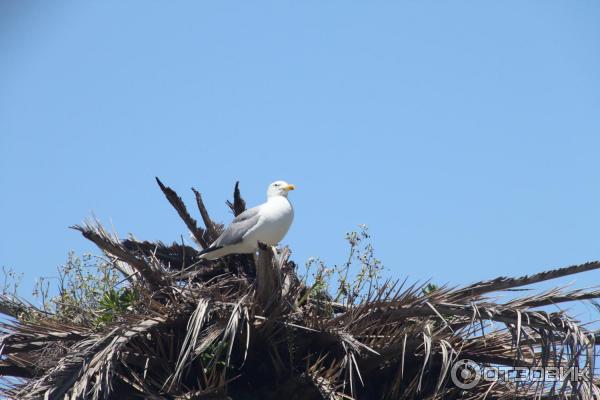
(465, 374)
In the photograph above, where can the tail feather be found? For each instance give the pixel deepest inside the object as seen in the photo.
(206, 252)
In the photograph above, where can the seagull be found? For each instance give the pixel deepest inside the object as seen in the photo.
(267, 223)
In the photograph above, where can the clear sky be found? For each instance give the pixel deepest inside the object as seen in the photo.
(466, 134)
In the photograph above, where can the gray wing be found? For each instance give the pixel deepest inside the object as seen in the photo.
(235, 232)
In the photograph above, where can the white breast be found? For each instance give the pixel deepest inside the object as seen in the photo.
(276, 218)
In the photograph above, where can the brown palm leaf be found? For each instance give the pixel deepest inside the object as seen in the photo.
(249, 328)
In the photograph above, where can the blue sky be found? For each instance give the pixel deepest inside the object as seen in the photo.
(464, 134)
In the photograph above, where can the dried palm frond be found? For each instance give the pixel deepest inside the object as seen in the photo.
(250, 328)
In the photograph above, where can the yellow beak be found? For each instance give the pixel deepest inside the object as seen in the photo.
(290, 187)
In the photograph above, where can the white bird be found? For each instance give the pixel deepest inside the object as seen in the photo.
(267, 223)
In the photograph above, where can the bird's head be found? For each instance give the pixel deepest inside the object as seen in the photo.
(279, 188)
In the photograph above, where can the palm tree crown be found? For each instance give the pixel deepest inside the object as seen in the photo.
(245, 327)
